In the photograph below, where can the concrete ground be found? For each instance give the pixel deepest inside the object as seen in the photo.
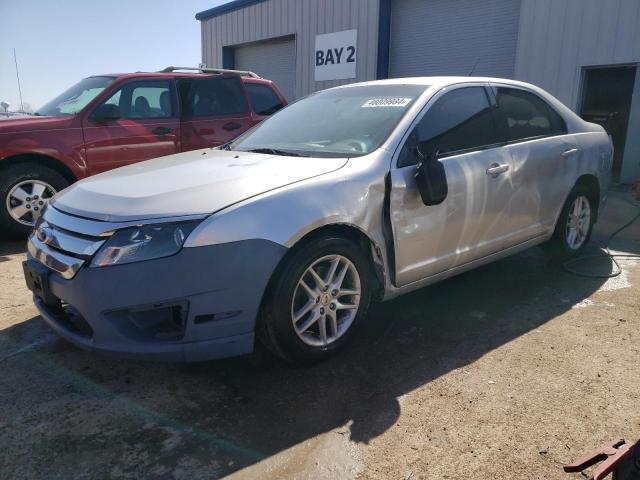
(507, 371)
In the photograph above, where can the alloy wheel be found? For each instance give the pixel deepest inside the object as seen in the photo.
(27, 199)
(326, 300)
(578, 222)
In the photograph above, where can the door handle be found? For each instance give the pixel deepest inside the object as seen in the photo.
(496, 169)
(569, 153)
(231, 126)
(161, 130)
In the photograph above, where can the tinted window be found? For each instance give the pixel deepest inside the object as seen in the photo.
(214, 97)
(264, 99)
(138, 100)
(458, 121)
(526, 115)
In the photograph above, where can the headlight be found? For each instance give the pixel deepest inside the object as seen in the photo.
(143, 243)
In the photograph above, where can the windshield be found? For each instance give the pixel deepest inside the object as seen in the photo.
(76, 98)
(343, 122)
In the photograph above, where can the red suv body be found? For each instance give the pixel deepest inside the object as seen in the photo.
(109, 121)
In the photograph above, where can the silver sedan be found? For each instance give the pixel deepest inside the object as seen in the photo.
(353, 194)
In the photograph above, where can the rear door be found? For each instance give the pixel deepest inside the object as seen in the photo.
(214, 110)
(542, 155)
(473, 220)
(148, 126)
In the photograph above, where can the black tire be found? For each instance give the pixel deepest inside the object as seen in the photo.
(275, 325)
(558, 249)
(9, 178)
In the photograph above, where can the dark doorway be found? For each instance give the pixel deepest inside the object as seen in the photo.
(606, 99)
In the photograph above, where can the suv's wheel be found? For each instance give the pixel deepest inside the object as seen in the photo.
(574, 226)
(316, 300)
(25, 188)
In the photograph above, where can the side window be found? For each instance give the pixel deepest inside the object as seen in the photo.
(151, 100)
(526, 115)
(216, 97)
(264, 99)
(143, 100)
(459, 121)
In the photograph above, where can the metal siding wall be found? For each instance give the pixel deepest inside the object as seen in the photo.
(447, 37)
(559, 37)
(304, 19)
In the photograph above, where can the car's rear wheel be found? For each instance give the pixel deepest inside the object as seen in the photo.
(574, 226)
(25, 189)
(316, 300)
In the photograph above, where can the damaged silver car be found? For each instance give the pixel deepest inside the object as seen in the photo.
(353, 194)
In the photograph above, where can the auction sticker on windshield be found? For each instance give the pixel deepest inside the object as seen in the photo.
(386, 102)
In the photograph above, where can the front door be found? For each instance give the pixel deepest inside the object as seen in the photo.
(473, 220)
(215, 111)
(143, 124)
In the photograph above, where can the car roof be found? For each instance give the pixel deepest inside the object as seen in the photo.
(161, 75)
(439, 81)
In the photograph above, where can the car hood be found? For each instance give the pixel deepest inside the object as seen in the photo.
(34, 123)
(191, 183)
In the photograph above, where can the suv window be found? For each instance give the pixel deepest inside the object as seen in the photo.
(146, 99)
(214, 97)
(525, 115)
(264, 99)
(459, 121)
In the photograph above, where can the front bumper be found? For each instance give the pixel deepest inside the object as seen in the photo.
(199, 304)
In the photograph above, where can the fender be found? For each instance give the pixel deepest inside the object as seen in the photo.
(353, 196)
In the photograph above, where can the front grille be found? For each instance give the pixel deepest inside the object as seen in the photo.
(61, 250)
(157, 322)
(66, 242)
(70, 318)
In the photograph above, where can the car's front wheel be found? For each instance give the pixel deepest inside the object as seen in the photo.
(316, 300)
(25, 188)
(574, 226)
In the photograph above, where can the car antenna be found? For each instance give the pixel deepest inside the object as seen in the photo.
(474, 66)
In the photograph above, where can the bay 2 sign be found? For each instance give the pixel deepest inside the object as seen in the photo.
(335, 55)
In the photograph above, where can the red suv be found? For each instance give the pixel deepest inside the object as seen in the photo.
(108, 121)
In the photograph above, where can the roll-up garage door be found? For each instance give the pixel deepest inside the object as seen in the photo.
(449, 37)
(273, 59)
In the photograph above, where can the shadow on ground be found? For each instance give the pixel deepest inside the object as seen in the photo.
(11, 248)
(72, 409)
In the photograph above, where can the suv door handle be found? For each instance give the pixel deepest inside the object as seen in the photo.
(569, 153)
(496, 169)
(231, 126)
(161, 130)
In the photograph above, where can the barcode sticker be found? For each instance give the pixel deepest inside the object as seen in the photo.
(386, 102)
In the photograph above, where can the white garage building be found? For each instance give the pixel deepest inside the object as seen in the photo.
(585, 52)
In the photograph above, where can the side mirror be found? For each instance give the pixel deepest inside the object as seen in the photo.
(106, 112)
(431, 179)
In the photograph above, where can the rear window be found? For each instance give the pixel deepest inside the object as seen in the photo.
(526, 115)
(264, 99)
(214, 97)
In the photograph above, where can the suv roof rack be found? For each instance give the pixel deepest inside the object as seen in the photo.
(244, 73)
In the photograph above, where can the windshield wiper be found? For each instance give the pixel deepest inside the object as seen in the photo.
(274, 151)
